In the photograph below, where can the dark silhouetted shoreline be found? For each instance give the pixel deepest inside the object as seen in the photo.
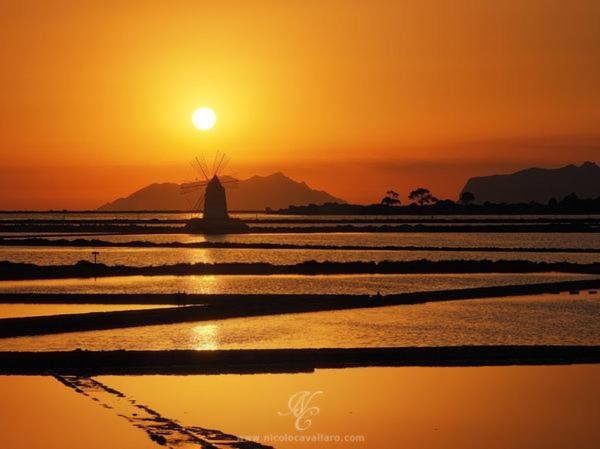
(92, 363)
(85, 269)
(567, 205)
(125, 229)
(89, 243)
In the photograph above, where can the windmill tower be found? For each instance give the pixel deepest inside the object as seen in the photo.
(215, 219)
(215, 200)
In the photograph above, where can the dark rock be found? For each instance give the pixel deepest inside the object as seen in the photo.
(537, 184)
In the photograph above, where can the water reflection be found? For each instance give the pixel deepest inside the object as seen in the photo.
(205, 337)
(197, 255)
(529, 320)
(410, 408)
(39, 412)
(203, 284)
(26, 310)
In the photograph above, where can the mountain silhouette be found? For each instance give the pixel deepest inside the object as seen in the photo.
(255, 193)
(537, 184)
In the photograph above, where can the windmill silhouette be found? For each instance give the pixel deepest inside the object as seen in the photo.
(210, 189)
(212, 198)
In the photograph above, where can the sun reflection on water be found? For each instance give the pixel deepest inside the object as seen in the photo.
(205, 337)
(203, 284)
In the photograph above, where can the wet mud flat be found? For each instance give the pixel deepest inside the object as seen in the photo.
(215, 307)
(90, 363)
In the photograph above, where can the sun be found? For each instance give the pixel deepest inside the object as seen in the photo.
(204, 118)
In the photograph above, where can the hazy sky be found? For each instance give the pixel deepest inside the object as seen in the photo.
(354, 97)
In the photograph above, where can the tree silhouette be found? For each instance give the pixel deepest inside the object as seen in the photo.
(422, 196)
(466, 198)
(390, 199)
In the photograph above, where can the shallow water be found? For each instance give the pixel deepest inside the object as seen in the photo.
(494, 407)
(39, 412)
(25, 310)
(533, 407)
(528, 320)
(367, 284)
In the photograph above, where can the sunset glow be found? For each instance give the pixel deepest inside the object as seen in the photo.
(380, 92)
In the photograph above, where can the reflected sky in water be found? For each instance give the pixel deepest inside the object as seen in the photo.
(205, 337)
(25, 310)
(535, 407)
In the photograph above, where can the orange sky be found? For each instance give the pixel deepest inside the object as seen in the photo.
(353, 97)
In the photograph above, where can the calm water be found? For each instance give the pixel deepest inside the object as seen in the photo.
(24, 310)
(556, 319)
(536, 407)
(543, 319)
(39, 412)
(166, 256)
(250, 284)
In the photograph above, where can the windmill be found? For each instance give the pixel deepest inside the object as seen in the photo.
(209, 188)
(212, 199)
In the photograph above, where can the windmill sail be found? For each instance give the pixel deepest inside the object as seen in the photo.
(215, 219)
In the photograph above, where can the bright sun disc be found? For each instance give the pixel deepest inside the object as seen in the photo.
(204, 118)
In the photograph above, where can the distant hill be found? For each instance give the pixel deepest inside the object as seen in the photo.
(255, 193)
(537, 184)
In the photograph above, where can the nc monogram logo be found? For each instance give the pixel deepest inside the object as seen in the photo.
(299, 406)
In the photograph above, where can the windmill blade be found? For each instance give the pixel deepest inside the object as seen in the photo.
(191, 186)
(190, 202)
(196, 206)
(204, 163)
(219, 165)
(225, 164)
(214, 164)
(199, 203)
(194, 184)
(201, 168)
(187, 192)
